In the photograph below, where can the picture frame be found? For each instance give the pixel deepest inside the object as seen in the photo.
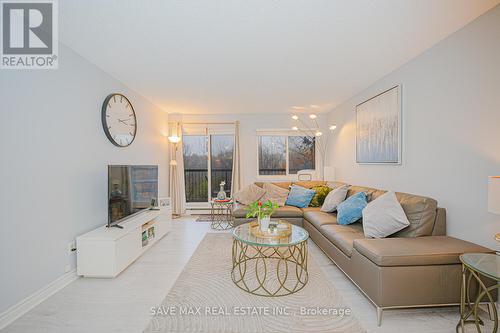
(379, 128)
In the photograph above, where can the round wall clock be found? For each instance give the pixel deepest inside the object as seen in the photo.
(118, 120)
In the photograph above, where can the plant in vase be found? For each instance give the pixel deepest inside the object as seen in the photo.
(263, 212)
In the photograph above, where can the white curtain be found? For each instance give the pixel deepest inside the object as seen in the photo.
(236, 177)
(177, 185)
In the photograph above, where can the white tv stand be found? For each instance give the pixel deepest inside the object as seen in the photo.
(106, 252)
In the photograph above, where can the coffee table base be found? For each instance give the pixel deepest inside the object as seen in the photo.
(269, 271)
(468, 307)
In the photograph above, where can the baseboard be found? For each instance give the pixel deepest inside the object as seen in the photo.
(36, 298)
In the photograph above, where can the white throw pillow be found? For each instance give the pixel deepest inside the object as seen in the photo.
(334, 198)
(249, 194)
(275, 193)
(384, 216)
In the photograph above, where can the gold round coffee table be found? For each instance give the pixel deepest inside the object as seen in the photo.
(478, 267)
(269, 266)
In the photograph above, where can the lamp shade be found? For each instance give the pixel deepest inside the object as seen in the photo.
(174, 139)
(494, 194)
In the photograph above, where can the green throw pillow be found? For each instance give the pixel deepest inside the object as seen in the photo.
(321, 193)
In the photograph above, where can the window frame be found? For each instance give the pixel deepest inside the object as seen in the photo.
(287, 134)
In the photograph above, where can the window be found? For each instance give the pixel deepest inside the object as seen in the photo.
(301, 153)
(208, 160)
(286, 154)
(272, 155)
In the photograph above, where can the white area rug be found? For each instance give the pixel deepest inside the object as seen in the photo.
(204, 299)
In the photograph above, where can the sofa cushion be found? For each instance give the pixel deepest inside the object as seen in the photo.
(299, 196)
(350, 210)
(420, 251)
(287, 211)
(384, 216)
(334, 184)
(239, 211)
(284, 185)
(249, 194)
(275, 193)
(371, 193)
(310, 209)
(310, 184)
(334, 198)
(319, 218)
(343, 236)
(421, 212)
(321, 193)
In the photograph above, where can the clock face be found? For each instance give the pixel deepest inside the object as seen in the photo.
(118, 120)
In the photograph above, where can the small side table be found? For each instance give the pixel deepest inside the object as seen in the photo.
(475, 266)
(221, 214)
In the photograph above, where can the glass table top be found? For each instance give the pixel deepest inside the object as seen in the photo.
(488, 264)
(298, 235)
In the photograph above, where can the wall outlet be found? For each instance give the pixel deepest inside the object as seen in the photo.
(72, 247)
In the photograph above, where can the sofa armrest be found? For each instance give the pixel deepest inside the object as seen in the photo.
(416, 251)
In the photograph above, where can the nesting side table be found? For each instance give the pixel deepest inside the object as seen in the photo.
(221, 214)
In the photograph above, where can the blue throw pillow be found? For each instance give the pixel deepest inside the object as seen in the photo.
(300, 196)
(350, 210)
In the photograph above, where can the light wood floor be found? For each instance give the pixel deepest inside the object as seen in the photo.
(123, 304)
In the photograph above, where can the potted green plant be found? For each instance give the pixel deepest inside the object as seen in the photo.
(263, 212)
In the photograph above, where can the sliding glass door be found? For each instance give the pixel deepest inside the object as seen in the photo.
(195, 149)
(208, 160)
(221, 162)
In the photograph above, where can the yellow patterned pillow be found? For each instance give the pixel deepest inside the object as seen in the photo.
(319, 197)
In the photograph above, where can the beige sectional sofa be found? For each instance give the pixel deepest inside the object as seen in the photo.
(418, 266)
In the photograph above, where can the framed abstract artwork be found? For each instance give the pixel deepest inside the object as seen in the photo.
(378, 128)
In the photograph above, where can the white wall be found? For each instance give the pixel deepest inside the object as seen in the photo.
(54, 166)
(249, 124)
(451, 130)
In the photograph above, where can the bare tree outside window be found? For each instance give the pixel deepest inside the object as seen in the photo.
(197, 157)
(301, 153)
(221, 162)
(195, 152)
(272, 155)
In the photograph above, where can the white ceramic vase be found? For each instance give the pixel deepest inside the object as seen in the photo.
(264, 223)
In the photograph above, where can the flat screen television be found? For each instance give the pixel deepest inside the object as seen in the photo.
(131, 190)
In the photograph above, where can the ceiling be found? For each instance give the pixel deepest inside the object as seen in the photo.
(240, 56)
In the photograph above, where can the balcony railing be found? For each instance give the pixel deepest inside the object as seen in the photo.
(272, 172)
(196, 181)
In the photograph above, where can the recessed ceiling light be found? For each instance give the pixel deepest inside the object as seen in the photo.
(318, 133)
(295, 128)
(313, 116)
(333, 127)
(295, 117)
